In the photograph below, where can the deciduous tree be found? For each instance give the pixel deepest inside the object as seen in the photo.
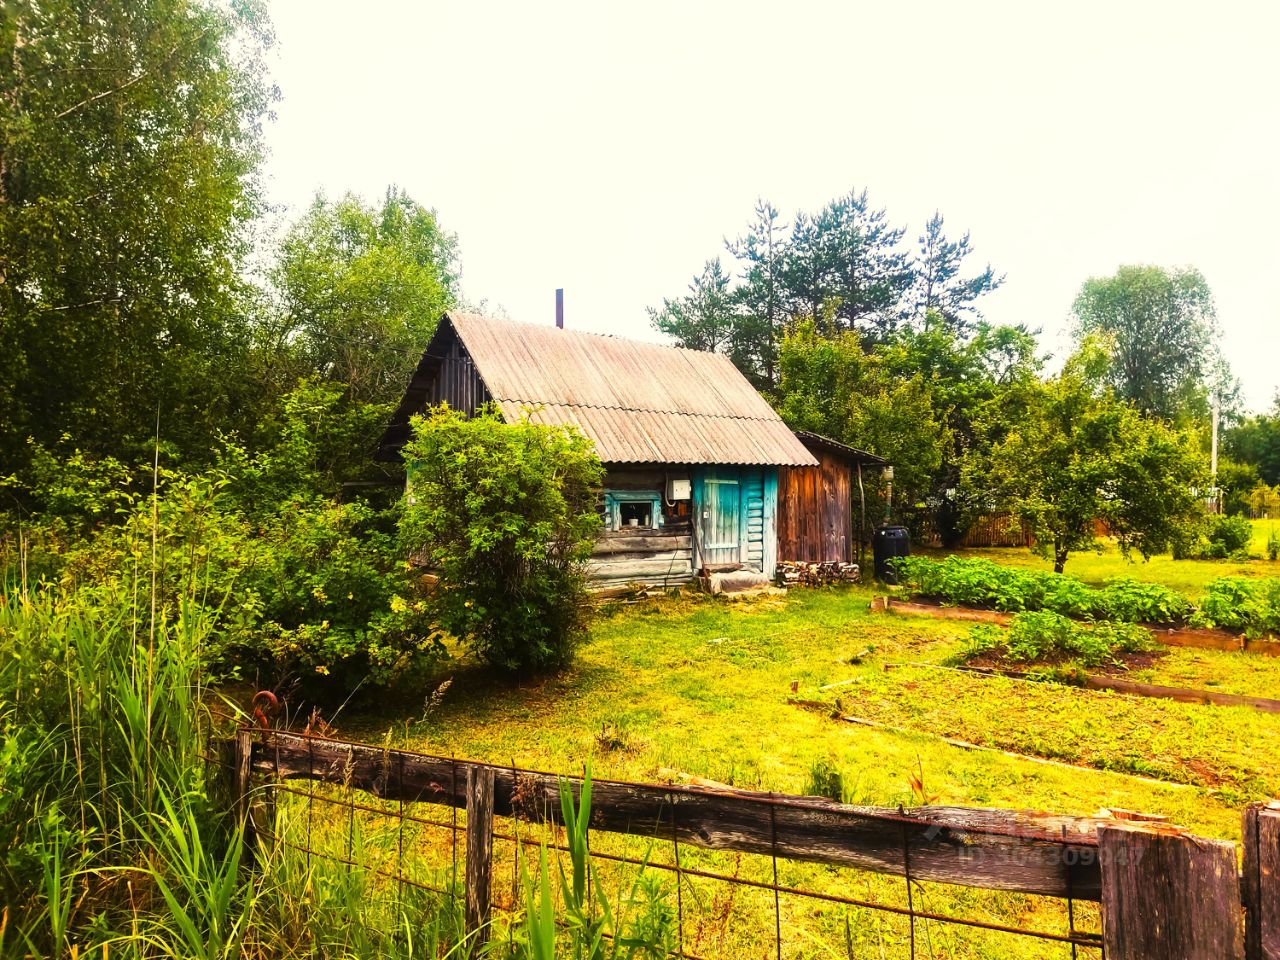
(362, 287)
(1078, 454)
(1162, 325)
(129, 151)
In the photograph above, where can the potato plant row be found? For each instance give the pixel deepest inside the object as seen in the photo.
(1247, 605)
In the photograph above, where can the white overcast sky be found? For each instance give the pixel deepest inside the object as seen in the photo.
(609, 148)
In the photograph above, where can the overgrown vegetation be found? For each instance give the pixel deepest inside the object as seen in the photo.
(295, 584)
(187, 417)
(505, 515)
(115, 836)
(102, 788)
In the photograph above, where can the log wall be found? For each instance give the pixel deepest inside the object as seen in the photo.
(661, 556)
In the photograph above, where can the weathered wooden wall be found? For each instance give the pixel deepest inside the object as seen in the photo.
(815, 511)
(457, 382)
(654, 557)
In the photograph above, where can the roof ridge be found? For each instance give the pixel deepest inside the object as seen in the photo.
(489, 318)
(623, 409)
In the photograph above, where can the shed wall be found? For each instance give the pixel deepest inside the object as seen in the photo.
(815, 511)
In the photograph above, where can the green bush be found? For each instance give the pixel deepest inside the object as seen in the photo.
(297, 584)
(506, 515)
(1227, 536)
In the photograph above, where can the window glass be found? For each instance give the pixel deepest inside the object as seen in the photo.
(636, 513)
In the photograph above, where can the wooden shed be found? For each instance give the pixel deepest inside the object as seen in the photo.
(691, 451)
(818, 518)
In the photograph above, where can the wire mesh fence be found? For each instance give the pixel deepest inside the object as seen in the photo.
(689, 871)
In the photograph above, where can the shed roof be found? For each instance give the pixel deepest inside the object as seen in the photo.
(816, 441)
(639, 402)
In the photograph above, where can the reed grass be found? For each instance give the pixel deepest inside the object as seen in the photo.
(116, 841)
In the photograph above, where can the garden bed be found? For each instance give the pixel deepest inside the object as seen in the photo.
(1108, 679)
(1172, 636)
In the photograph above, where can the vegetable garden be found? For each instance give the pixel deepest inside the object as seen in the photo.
(1250, 606)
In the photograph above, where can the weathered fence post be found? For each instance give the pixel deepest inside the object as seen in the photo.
(479, 851)
(1166, 894)
(1262, 881)
(241, 791)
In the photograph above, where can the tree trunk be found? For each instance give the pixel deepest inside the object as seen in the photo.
(1059, 556)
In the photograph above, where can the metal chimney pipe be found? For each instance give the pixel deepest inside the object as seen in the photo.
(560, 308)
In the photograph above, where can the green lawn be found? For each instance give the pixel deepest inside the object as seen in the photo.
(701, 685)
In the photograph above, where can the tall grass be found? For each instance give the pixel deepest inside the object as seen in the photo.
(104, 805)
(115, 841)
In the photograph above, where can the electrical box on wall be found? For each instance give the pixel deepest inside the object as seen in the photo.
(678, 489)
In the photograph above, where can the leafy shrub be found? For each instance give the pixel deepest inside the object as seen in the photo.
(1045, 637)
(296, 584)
(506, 515)
(1273, 545)
(1227, 536)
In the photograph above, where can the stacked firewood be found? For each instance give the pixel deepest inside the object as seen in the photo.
(794, 573)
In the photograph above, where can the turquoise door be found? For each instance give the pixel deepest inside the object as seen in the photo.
(720, 520)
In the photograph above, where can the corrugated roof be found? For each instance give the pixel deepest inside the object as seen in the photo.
(639, 402)
(843, 450)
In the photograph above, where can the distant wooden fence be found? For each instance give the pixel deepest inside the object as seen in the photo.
(989, 530)
(1000, 530)
(1162, 892)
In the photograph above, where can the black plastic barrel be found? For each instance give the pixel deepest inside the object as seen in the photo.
(887, 543)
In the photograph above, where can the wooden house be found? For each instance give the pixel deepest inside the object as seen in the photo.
(692, 452)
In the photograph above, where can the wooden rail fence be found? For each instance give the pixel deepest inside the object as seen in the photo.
(1163, 893)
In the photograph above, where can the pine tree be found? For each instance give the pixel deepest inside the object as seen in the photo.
(761, 296)
(938, 284)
